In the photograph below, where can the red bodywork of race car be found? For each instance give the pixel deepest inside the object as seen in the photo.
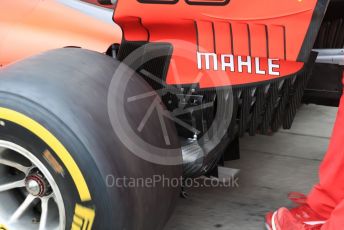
(235, 42)
(31, 27)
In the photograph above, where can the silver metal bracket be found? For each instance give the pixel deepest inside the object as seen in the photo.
(330, 56)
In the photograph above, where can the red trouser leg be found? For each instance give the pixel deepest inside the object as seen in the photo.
(336, 221)
(327, 197)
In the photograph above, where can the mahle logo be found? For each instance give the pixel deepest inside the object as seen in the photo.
(240, 64)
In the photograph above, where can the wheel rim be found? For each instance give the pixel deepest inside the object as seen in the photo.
(29, 196)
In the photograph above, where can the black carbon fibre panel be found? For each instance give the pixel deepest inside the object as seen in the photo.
(331, 34)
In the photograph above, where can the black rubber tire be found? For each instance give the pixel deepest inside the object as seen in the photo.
(65, 91)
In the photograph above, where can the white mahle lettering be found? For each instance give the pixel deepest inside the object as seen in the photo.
(241, 64)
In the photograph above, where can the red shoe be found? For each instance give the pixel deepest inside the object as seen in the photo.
(284, 220)
(297, 198)
(302, 213)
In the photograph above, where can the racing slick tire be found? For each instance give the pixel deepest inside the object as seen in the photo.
(60, 157)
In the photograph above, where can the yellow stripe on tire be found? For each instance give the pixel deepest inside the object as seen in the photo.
(54, 144)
